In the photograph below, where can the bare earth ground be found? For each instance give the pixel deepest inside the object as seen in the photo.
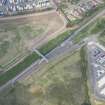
(20, 34)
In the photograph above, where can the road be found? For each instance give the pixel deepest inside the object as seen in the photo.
(65, 47)
(50, 57)
(35, 67)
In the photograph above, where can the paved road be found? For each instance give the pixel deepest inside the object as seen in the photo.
(59, 51)
(51, 57)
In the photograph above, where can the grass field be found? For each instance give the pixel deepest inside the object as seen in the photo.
(19, 35)
(10, 74)
(32, 57)
(46, 48)
(14, 38)
(58, 83)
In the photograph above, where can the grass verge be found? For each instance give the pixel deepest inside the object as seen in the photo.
(84, 75)
(18, 68)
(54, 43)
(32, 58)
(57, 86)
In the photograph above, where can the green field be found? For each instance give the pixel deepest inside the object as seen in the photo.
(59, 83)
(32, 57)
(10, 74)
(88, 31)
(14, 37)
(50, 46)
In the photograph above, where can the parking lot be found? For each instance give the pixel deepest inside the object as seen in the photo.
(96, 55)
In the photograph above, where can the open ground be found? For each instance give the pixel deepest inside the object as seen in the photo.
(34, 29)
(53, 85)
